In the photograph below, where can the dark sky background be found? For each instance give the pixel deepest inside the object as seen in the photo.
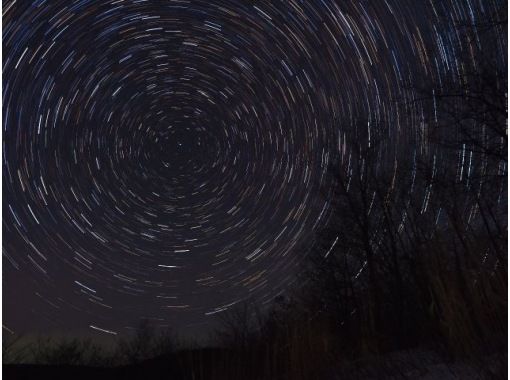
(167, 160)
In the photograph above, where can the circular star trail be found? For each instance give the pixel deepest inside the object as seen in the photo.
(165, 160)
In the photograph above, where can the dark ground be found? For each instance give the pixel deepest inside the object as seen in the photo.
(201, 364)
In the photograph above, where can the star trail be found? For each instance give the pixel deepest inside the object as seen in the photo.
(168, 159)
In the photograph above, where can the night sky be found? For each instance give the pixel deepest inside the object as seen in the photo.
(169, 159)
